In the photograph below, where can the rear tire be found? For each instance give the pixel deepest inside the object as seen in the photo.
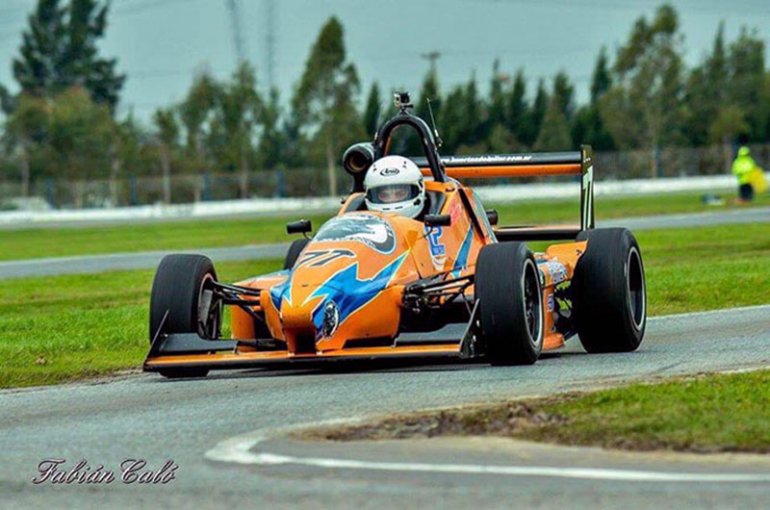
(507, 288)
(294, 251)
(609, 292)
(179, 285)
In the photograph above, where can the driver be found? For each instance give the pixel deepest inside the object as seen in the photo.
(394, 184)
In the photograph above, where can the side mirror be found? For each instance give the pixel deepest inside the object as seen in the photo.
(437, 220)
(299, 227)
(492, 216)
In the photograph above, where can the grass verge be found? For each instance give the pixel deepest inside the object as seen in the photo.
(68, 327)
(179, 235)
(712, 413)
(696, 269)
(71, 327)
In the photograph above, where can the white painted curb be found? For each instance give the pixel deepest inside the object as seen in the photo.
(239, 450)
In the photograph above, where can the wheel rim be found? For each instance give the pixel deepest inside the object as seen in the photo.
(209, 316)
(635, 286)
(533, 309)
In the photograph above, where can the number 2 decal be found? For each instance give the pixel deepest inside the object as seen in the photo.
(437, 248)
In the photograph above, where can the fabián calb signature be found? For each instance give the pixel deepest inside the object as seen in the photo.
(131, 471)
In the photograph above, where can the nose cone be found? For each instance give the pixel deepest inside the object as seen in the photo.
(343, 282)
(338, 287)
(320, 296)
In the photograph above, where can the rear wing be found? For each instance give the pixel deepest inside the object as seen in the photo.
(496, 166)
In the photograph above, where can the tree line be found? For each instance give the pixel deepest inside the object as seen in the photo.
(63, 122)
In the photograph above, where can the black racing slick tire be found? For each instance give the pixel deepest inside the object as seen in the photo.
(178, 288)
(509, 296)
(295, 249)
(609, 292)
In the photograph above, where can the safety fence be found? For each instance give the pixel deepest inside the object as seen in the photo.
(130, 190)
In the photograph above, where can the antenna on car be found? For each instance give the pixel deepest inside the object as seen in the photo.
(439, 142)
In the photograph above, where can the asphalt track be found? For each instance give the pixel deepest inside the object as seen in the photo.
(150, 259)
(226, 434)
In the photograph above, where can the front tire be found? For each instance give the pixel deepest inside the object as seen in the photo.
(181, 288)
(609, 292)
(507, 287)
(295, 249)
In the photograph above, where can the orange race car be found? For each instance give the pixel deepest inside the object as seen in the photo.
(448, 283)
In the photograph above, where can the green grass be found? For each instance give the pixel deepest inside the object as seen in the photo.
(35, 243)
(68, 327)
(708, 413)
(718, 412)
(706, 268)
(177, 235)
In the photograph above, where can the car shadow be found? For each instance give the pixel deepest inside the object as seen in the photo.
(350, 366)
(363, 366)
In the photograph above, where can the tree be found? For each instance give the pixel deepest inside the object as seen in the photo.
(167, 130)
(27, 131)
(7, 100)
(473, 114)
(324, 101)
(497, 99)
(429, 91)
(122, 135)
(237, 110)
(536, 114)
(554, 131)
(81, 138)
(745, 89)
(601, 81)
(295, 143)
(766, 100)
(588, 128)
(501, 140)
(587, 124)
(463, 120)
(564, 93)
(729, 123)
(59, 50)
(272, 143)
(42, 50)
(131, 152)
(496, 135)
(644, 108)
(453, 120)
(706, 91)
(518, 108)
(194, 110)
(372, 111)
(82, 64)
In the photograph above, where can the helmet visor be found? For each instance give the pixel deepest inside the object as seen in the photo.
(392, 193)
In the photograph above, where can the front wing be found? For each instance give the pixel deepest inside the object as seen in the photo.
(189, 350)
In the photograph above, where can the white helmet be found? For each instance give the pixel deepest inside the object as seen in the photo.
(394, 184)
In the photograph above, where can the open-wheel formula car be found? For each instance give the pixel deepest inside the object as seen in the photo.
(448, 283)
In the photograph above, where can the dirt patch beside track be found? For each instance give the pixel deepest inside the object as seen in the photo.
(707, 413)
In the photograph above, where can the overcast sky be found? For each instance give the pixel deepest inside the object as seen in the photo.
(162, 43)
